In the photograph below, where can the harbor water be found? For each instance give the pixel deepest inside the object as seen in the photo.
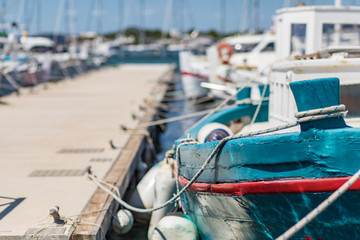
(177, 105)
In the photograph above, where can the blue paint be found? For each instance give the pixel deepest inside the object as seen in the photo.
(246, 92)
(312, 154)
(227, 115)
(324, 148)
(318, 93)
(246, 110)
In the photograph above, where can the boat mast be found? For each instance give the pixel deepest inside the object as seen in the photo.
(168, 11)
(126, 17)
(142, 22)
(191, 16)
(7, 7)
(71, 13)
(256, 16)
(3, 16)
(120, 8)
(98, 13)
(38, 16)
(59, 19)
(245, 17)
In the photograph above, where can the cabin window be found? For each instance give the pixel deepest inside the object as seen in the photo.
(350, 97)
(298, 38)
(244, 47)
(41, 49)
(340, 35)
(270, 47)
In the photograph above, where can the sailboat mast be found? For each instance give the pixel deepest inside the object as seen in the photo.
(166, 23)
(256, 16)
(3, 16)
(72, 20)
(38, 16)
(126, 17)
(245, 17)
(59, 19)
(142, 22)
(99, 17)
(120, 7)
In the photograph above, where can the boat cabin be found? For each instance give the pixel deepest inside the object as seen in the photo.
(308, 29)
(252, 51)
(316, 42)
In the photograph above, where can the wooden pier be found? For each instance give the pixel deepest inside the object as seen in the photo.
(50, 136)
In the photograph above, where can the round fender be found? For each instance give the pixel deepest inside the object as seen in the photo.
(213, 132)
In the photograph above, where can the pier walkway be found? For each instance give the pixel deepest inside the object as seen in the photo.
(49, 137)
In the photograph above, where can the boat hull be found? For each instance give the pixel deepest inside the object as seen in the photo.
(252, 189)
(267, 216)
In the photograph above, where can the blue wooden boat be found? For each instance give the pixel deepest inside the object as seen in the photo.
(260, 182)
(257, 187)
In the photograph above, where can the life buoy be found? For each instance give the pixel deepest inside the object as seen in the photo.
(225, 51)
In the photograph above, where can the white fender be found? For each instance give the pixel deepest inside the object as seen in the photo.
(213, 132)
(123, 221)
(144, 194)
(165, 188)
(174, 227)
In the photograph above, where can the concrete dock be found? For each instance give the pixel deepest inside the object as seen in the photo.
(49, 137)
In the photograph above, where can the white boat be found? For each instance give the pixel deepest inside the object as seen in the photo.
(234, 60)
(194, 70)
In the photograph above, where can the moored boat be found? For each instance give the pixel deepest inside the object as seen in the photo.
(257, 184)
(258, 187)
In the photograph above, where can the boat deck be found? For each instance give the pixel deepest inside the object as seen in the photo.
(49, 137)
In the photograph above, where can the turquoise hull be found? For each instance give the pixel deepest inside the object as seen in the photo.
(267, 216)
(258, 187)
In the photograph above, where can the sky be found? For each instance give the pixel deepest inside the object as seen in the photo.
(113, 15)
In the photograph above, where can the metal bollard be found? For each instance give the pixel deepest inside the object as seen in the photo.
(54, 212)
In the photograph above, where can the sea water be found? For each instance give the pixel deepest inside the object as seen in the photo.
(171, 131)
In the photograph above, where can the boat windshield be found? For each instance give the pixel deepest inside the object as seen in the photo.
(244, 47)
(350, 96)
(340, 35)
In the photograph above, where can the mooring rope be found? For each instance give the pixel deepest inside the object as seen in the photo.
(191, 115)
(319, 209)
(329, 112)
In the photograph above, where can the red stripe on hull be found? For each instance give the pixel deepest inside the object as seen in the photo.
(268, 187)
(195, 75)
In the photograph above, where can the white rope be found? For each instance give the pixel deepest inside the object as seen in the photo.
(318, 111)
(194, 114)
(232, 96)
(219, 107)
(188, 141)
(100, 184)
(319, 209)
(70, 221)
